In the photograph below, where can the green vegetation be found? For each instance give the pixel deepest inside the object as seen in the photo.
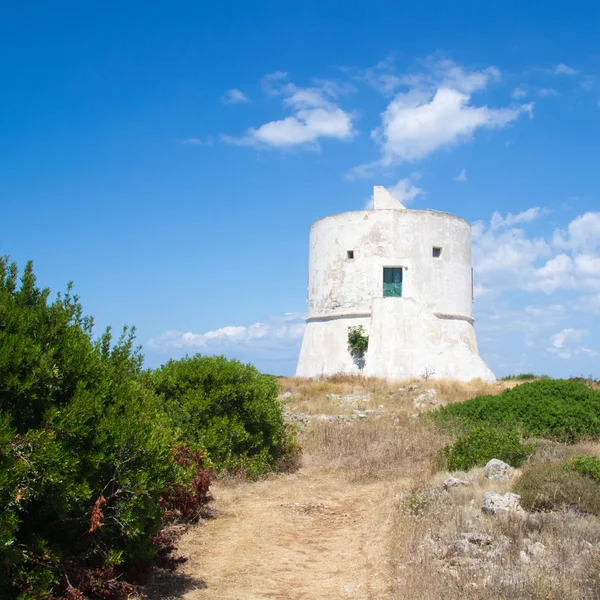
(587, 465)
(228, 409)
(480, 445)
(86, 452)
(523, 377)
(557, 486)
(358, 341)
(97, 456)
(555, 409)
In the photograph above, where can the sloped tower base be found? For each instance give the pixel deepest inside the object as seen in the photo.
(406, 341)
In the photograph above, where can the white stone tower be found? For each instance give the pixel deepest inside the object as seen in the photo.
(406, 276)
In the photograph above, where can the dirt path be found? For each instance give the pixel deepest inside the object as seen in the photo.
(304, 536)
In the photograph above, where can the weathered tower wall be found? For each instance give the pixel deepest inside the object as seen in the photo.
(429, 329)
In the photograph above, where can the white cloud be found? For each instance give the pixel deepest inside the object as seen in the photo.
(382, 76)
(435, 73)
(414, 125)
(404, 190)
(513, 262)
(498, 221)
(519, 93)
(582, 233)
(505, 257)
(436, 111)
(587, 264)
(565, 343)
(462, 176)
(315, 116)
(193, 142)
(557, 273)
(362, 171)
(273, 333)
(547, 92)
(234, 96)
(562, 69)
(429, 74)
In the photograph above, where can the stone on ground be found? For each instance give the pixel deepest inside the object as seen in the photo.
(497, 469)
(496, 504)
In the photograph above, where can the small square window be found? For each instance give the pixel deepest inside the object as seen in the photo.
(437, 252)
(350, 254)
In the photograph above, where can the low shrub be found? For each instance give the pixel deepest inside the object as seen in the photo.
(587, 465)
(480, 445)
(550, 487)
(548, 408)
(523, 377)
(228, 409)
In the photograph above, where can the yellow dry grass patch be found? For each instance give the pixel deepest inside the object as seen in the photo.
(377, 448)
(314, 396)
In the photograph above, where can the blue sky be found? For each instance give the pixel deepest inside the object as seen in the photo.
(170, 158)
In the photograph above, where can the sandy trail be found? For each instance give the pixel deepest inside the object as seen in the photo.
(304, 536)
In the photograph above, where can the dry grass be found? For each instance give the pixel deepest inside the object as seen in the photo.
(379, 447)
(548, 451)
(429, 560)
(432, 561)
(313, 396)
(372, 449)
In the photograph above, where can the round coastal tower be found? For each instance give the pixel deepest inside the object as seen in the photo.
(406, 276)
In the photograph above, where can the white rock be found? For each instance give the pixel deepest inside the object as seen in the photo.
(355, 398)
(536, 549)
(497, 469)
(452, 482)
(496, 504)
(523, 557)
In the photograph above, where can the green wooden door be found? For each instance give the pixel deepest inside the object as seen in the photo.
(392, 281)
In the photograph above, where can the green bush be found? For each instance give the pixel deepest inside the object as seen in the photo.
(358, 341)
(523, 377)
(551, 408)
(558, 486)
(87, 454)
(587, 465)
(481, 445)
(228, 409)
